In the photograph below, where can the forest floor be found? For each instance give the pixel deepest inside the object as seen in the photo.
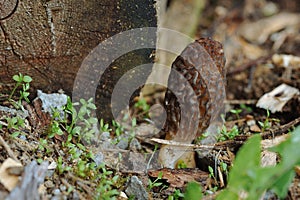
(59, 157)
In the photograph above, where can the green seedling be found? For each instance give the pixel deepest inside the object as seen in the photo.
(236, 112)
(143, 105)
(212, 174)
(61, 168)
(181, 164)
(15, 125)
(118, 128)
(43, 145)
(105, 189)
(104, 127)
(224, 167)
(176, 195)
(266, 124)
(155, 183)
(23, 81)
(246, 108)
(228, 135)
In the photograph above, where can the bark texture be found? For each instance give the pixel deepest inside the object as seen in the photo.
(49, 39)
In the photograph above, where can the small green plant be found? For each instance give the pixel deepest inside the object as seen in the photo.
(228, 135)
(105, 189)
(201, 137)
(155, 183)
(61, 167)
(23, 81)
(212, 174)
(43, 145)
(55, 129)
(104, 127)
(266, 124)
(143, 105)
(224, 167)
(236, 112)
(176, 195)
(82, 124)
(15, 124)
(246, 108)
(118, 128)
(181, 164)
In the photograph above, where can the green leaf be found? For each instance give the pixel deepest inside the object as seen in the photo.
(74, 115)
(26, 86)
(92, 106)
(69, 104)
(82, 111)
(160, 175)
(83, 102)
(76, 130)
(227, 194)
(211, 170)
(27, 79)
(16, 134)
(133, 122)
(281, 186)
(193, 191)
(248, 177)
(93, 120)
(17, 78)
(25, 94)
(243, 174)
(247, 159)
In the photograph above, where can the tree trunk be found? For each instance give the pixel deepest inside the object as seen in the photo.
(49, 40)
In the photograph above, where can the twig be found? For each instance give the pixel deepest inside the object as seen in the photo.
(133, 172)
(75, 178)
(282, 129)
(251, 63)
(66, 183)
(241, 101)
(7, 148)
(180, 144)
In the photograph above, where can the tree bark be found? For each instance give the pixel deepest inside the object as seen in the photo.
(49, 39)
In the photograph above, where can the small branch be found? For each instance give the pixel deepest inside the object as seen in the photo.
(282, 129)
(241, 101)
(8, 149)
(251, 63)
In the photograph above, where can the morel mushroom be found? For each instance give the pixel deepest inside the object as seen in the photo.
(194, 97)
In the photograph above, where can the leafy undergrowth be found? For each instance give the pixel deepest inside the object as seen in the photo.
(248, 180)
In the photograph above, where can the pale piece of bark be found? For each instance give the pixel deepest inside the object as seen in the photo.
(9, 181)
(268, 143)
(284, 60)
(277, 98)
(259, 31)
(269, 158)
